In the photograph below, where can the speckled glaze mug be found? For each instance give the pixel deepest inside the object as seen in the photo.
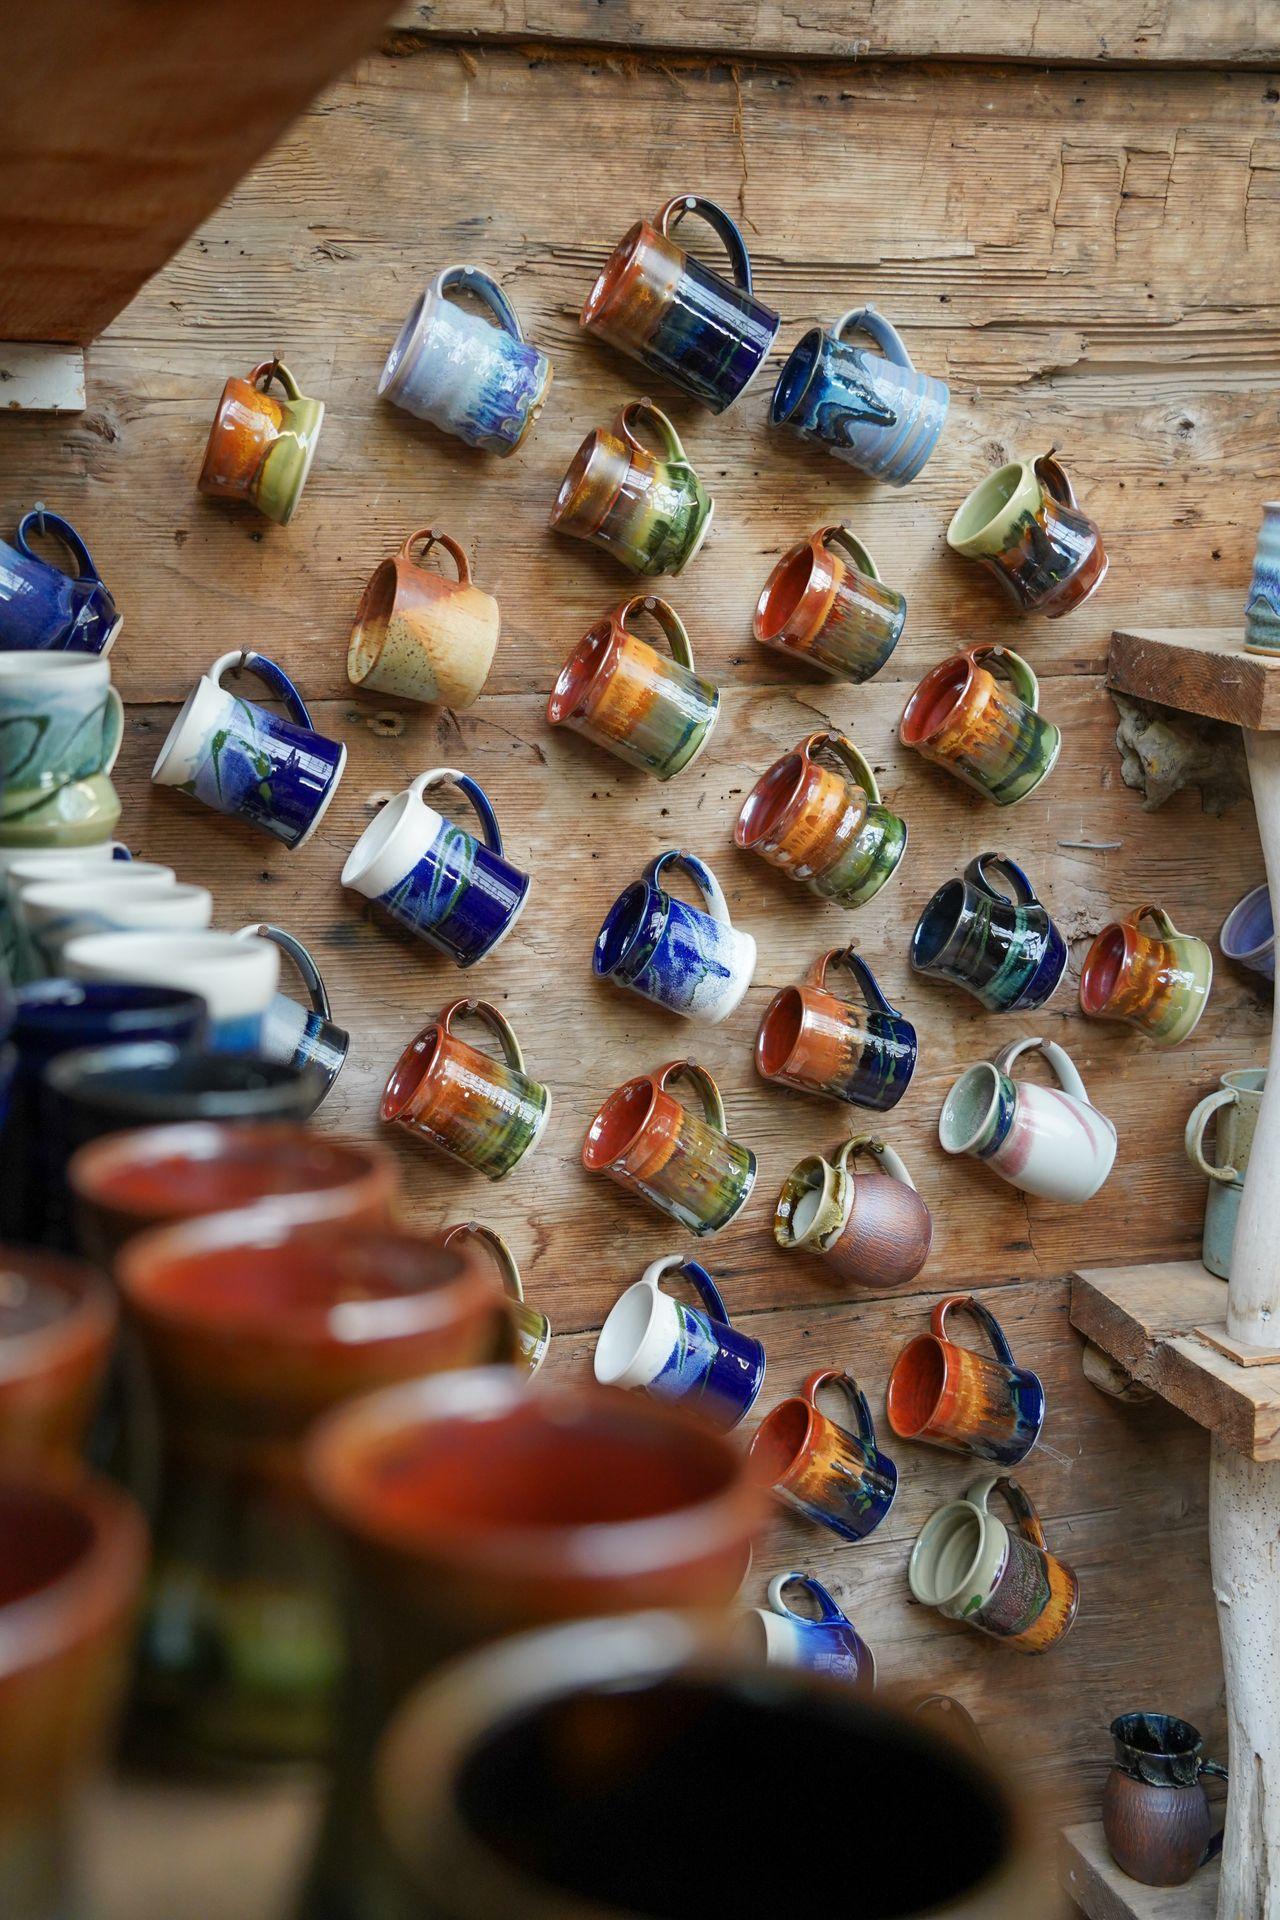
(1157, 983)
(871, 1227)
(479, 381)
(1025, 525)
(1235, 1105)
(691, 960)
(813, 1041)
(260, 448)
(949, 1396)
(872, 409)
(692, 1355)
(1001, 947)
(419, 635)
(682, 1163)
(1002, 1580)
(649, 510)
(823, 825)
(820, 1469)
(1050, 1141)
(987, 734)
(651, 711)
(826, 605)
(487, 1113)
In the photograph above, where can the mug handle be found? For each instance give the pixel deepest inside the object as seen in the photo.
(41, 521)
(657, 419)
(699, 1279)
(965, 1303)
(436, 537)
(473, 792)
(274, 678)
(873, 323)
(275, 369)
(857, 1399)
(503, 1256)
(1052, 475)
(487, 1015)
(113, 728)
(302, 960)
(842, 749)
(879, 1150)
(829, 1613)
(1024, 894)
(712, 1104)
(853, 962)
(1216, 1771)
(1020, 1504)
(699, 873)
(1060, 1062)
(1193, 1137)
(476, 280)
(1015, 670)
(668, 619)
(720, 223)
(1158, 918)
(842, 535)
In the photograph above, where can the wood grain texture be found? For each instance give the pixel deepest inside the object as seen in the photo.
(1100, 1890)
(1199, 670)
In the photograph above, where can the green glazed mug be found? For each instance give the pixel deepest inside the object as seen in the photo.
(261, 448)
(647, 508)
(61, 724)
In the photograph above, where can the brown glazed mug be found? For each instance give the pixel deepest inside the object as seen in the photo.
(949, 1396)
(57, 1324)
(825, 604)
(872, 1228)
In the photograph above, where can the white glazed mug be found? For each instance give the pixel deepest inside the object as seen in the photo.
(235, 978)
(1050, 1141)
(473, 376)
(24, 866)
(52, 915)
(689, 1354)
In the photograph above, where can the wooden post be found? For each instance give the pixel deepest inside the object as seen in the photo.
(1244, 1549)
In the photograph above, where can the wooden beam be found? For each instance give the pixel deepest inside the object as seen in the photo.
(1198, 670)
(1090, 1877)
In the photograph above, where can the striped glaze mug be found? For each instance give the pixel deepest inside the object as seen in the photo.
(825, 604)
(1002, 1580)
(986, 733)
(813, 1041)
(949, 1396)
(260, 449)
(872, 409)
(530, 1325)
(1002, 947)
(487, 1113)
(824, 1641)
(479, 381)
(650, 709)
(707, 335)
(692, 1355)
(417, 634)
(649, 510)
(690, 960)
(824, 825)
(819, 1468)
(1158, 983)
(682, 1163)
(1025, 525)
(871, 1227)
(1051, 1141)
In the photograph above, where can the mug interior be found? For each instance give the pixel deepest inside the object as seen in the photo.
(1247, 930)
(783, 591)
(985, 504)
(800, 1200)
(200, 1168)
(369, 632)
(796, 374)
(915, 1386)
(579, 506)
(178, 730)
(780, 1439)
(624, 1332)
(967, 1108)
(1246, 1079)
(375, 839)
(624, 923)
(620, 1120)
(768, 801)
(572, 691)
(1103, 966)
(947, 1553)
(409, 1079)
(937, 924)
(610, 279)
(935, 700)
(779, 1031)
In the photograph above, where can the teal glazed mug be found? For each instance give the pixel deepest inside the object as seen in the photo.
(872, 409)
(648, 509)
(976, 714)
(1233, 1110)
(61, 724)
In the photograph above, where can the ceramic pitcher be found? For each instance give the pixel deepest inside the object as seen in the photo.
(872, 409)
(648, 509)
(693, 1355)
(1001, 1580)
(870, 1226)
(260, 448)
(480, 381)
(419, 635)
(43, 607)
(824, 824)
(825, 604)
(650, 709)
(689, 959)
(1050, 1141)
(1155, 1811)
(1025, 525)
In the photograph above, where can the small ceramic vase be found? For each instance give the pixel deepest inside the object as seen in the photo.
(823, 1642)
(302, 1037)
(1158, 984)
(419, 635)
(824, 825)
(460, 894)
(872, 409)
(484, 1112)
(54, 915)
(825, 604)
(1049, 1141)
(1248, 936)
(1025, 525)
(1262, 608)
(694, 1355)
(872, 1228)
(948, 1396)
(653, 712)
(235, 978)
(1002, 947)
(820, 1469)
(1155, 1812)
(689, 960)
(61, 724)
(707, 335)
(813, 1041)
(260, 448)
(1001, 1580)
(57, 1325)
(531, 1326)
(649, 510)
(988, 735)
(682, 1163)
(45, 609)
(1236, 1105)
(483, 383)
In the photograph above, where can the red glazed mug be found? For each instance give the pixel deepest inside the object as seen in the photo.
(949, 1396)
(57, 1323)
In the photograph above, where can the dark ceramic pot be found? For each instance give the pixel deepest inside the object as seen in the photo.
(1155, 1812)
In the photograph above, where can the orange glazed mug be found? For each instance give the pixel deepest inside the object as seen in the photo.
(987, 733)
(1157, 982)
(966, 1402)
(825, 603)
(260, 448)
(649, 708)
(683, 1163)
(824, 824)
(487, 1113)
(419, 635)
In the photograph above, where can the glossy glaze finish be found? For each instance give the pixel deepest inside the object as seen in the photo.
(1155, 1812)
(693, 1355)
(812, 1040)
(154, 1083)
(825, 604)
(1158, 983)
(1001, 947)
(823, 824)
(1002, 1580)
(819, 1468)
(949, 1396)
(44, 607)
(61, 723)
(483, 383)
(260, 448)
(823, 1641)
(871, 1226)
(649, 510)
(1025, 525)
(1051, 1141)
(57, 1324)
(306, 1038)
(530, 1325)
(986, 733)
(484, 1112)
(1248, 936)
(689, 960)
(653, 712)
(418, 635)
(235, 978)
(872, 409)
(682, 1163)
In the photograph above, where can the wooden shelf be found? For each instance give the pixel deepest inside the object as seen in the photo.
(1091, 1878)
(1201, 670)
(1152, 1320)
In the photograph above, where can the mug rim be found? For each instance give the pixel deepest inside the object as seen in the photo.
(96, 1585)
(913, 729)
(246, 972)
(394, 375)
(1244, 955)
(786, 999)
(1002, 487)
(1233, 1078)
(954, 1510)
(779, 1416)
(367, 641)
(23, 663)
(103, 1073)
(1093, 998)
(750, 829)
(376, 838)
(427, 1044)
(595, 1158)
(784, 407)
(955, 886)
(946, 1119)
(86, 1318)
(615, 1372)
(783, 1223)
(895, 1391)
(569, 698)
(791, 561)
(608, 284)
(1124, 1721)
(170, 745)
(636, 901)
(568, 514)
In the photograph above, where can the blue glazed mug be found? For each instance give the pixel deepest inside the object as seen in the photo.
(241, 759)
(690, 1354)
(460, 894)
(295, 1035)
(43, 608)
(235, 978)
(691, 961)
(872, 409)
(823, 1642)
(481, 382)
(1003, 949)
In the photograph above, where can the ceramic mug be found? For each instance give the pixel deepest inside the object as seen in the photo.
(153, 1083)
(649, 510)
(1262, 608)
(531, 1326)
(483, 383)
(53, 915)
(682, 1163)
(1248, 935)
(812, 1040)
(61, 724)
(824, 826)
(814, 1465)
(689, 960)
(43, 608)
(1158, 984)
(57, 1329)
(872, 1228)
(1025, 525)
(651, 711)
(235, 978)
(825, 604)
(1155, 1812)
(1046, 1140)
(487, 1113)
(949, 1396)
(872, 409)
(458, 893)
(419, 635)
(242, 759)
(1236, 1104)
(1002, 947)
(986, 734)
(1002, 1580)
(709, 336)
(694, 1355)
(59, 866)
(295, 1035)
(825, 1642)
(260, 448)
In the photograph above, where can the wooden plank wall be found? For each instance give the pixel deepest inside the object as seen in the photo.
(1085, 255)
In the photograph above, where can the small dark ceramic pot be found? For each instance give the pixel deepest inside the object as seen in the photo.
(1155, 1812)
(57, 1322)
(1005, 951)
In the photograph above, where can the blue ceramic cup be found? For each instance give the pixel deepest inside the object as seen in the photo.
(689, 1354)
(293, 1034)
(691, 961)
(481, 382)
(872, 409)
(821, 1642)
(1002, 947)
(1248, 936)
(459, 893)
(44, 608)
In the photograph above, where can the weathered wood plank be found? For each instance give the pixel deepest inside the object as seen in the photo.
(1094, 1881)
(1199, 670)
